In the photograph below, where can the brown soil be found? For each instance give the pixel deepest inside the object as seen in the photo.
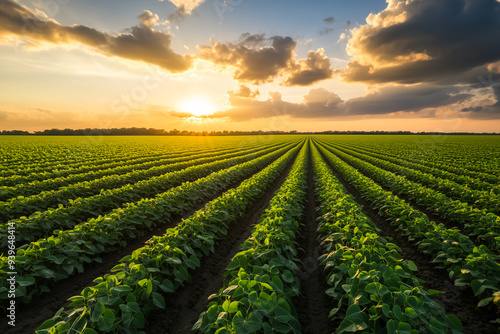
(313, 305)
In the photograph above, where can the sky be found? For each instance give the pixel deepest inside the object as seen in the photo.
(275, 65)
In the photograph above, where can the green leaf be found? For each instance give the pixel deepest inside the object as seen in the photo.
(122, 289)
(411, 313)
(404, 328)
(105, 322)
(89, 331)
(355, 327)
(46, 324)
(376, 288)
(396, 310)
(287, 276)
(390, 245)
(233, 307)
(149, 287)
(391, 326)
(212, 312)
(453, 322)
(97, 312)
(26, 281)
(386, 309)
(225, 305)
(167, 286)
(412, 265)
(432, 292)
(158, 300)
(282, 314)
(485, 301)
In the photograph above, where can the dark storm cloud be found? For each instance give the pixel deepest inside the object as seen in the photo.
(139, 43)
(257, 63)
(426, 41)
(496, 92)
(474, 109)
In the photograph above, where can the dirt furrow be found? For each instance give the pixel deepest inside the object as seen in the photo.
(313, 305)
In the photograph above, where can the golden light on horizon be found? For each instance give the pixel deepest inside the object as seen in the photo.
(197, 106)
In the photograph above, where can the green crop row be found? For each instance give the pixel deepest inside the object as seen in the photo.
(435, 157)
(59, 160)
(84, 172)
(42, 224)
(466, 263)
(480, 199)
(68, 154)
(17, 207)
(404, 160)
(120, 302)
(262, 278)
(20, 185)
(375, 289)
(476, 223)
(45, 194)
(59, 256)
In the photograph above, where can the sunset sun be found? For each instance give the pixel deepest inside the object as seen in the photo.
(197, 106)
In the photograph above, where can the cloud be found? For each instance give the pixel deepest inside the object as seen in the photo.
(317, 103)
(257, 63)
(3, 115)
(329, 20)
(244, 91)
(320, 97)
(321, 103)
(486, 109)
(314, 68)
(391, 99)
(139, 43)
(149, 19)
(441, 42)
(496, 92)
(186, 7)
(325, 31)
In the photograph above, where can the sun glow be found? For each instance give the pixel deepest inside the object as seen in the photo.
(197, 106)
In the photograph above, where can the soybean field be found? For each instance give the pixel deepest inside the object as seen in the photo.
(250, 234)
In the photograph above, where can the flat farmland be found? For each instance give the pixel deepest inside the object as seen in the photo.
(250, 234)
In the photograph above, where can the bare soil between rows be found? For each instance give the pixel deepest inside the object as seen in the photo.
(313, 305)
(459, 301)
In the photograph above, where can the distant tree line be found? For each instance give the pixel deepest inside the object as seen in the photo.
(161, 132)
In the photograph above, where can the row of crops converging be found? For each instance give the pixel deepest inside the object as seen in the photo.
(116, 243)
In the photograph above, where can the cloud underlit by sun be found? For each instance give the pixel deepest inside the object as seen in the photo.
(197, 106)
